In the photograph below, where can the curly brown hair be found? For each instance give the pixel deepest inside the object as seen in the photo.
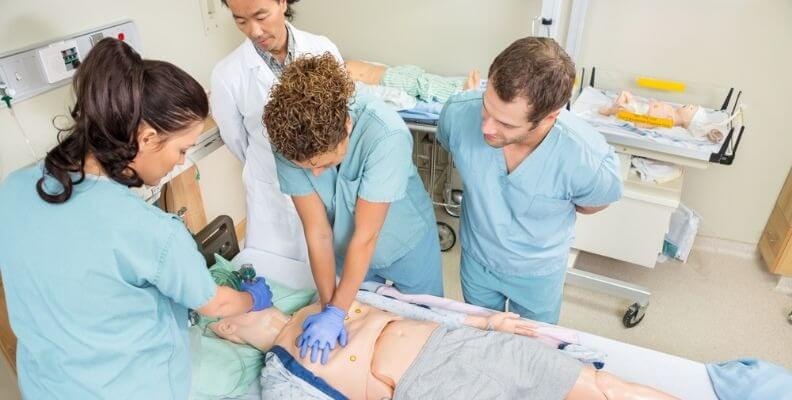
(308, 109)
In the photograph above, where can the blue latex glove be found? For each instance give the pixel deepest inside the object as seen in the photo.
(260, 291)
(321, 331)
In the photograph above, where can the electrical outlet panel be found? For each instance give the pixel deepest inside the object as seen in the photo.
(59, 60)
(39, 68)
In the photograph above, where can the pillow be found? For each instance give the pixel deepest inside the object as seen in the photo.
(221, 368)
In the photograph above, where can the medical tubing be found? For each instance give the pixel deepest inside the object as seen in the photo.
(224, 277)
(24, 134)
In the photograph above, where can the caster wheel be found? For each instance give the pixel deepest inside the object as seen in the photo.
(789, 318)
(453, 197)
(447, 236)
(452, 211)
(634, 315)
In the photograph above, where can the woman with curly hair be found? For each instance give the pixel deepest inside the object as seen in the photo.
(346, 160)
(98, 282)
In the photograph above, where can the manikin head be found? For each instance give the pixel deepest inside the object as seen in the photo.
(256, 328)
(315, 134)
(529, 82)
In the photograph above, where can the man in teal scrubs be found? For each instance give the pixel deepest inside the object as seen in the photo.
(527, 167)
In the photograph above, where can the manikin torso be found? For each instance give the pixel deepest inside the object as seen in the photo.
(381, 348)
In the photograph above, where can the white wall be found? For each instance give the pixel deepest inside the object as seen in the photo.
(737, 43)
(444, 36)
(170, 30)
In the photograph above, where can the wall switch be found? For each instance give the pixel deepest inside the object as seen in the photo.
(210, 14)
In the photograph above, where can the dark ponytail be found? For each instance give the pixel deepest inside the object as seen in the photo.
(116, 90)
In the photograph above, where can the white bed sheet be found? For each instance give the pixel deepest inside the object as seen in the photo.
(678, 376)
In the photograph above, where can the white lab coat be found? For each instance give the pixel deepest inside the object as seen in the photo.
(241, 84)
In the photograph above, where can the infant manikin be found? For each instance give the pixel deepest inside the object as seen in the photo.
(698, 121)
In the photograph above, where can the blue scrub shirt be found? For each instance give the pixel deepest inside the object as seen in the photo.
(377, 167)
(97, 291)
(522, 223)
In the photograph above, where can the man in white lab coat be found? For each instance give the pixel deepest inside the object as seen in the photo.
(241, 83)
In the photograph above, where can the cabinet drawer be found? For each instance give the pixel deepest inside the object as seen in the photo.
(785, 199)
(774, 238)
(628, 230)
(784, 265)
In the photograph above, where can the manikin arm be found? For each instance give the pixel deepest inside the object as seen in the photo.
(601, 385)
(507, 322)
(495, 321)
(432, 301)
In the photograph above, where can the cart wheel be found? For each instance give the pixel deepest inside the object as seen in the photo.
(452, 211)
(634, 315)
(447, 236)
(453, 197)
(789, 318)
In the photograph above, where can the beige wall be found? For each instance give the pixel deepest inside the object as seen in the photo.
(737, 42)
(170, 30)
(444, 36)
(723, 43)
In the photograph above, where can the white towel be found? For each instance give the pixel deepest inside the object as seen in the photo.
(655, 171)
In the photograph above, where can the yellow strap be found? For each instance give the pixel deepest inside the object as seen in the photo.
(645, 119)
(660, 84)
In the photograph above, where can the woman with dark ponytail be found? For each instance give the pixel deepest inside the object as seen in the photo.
(98, 282)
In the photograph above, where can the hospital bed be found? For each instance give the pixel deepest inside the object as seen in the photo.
(678, 376)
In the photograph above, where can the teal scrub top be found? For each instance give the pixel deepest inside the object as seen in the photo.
(522, 223)
(97, 290)
(377, 167)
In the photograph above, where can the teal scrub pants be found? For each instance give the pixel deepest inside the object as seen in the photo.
(418, 272)
(533, 297)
